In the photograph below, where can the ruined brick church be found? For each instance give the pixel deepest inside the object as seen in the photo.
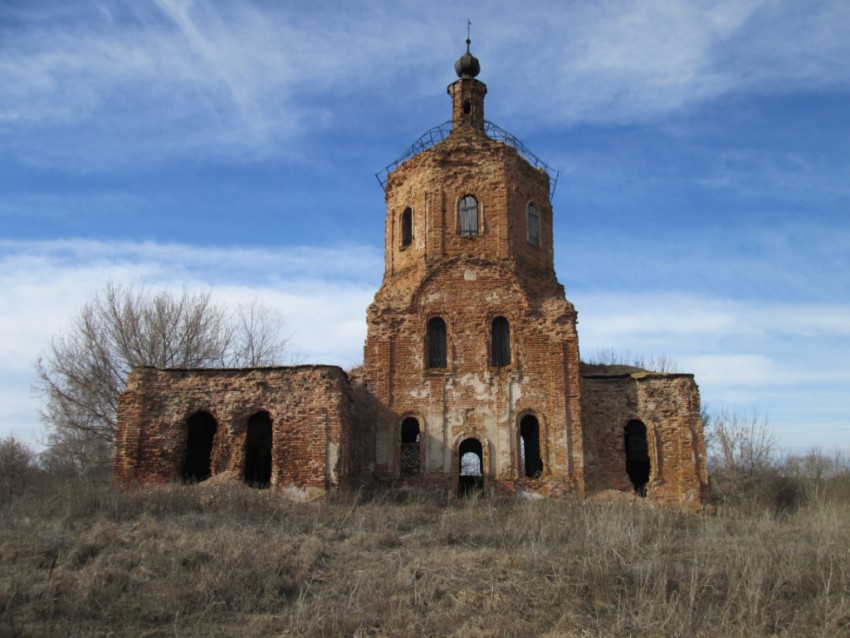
(471, 377)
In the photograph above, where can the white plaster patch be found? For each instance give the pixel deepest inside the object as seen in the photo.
(470, 275)
(303, 494)
(482, 389)
(516, 393)
(333, 458)
(420, 393)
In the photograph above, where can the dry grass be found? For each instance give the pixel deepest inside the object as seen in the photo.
(82, 560)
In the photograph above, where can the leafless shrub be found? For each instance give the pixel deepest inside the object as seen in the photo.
(85, 369)
(743, 444)
(258, 338)
(18, 469)
(818, 476)
(742, 460)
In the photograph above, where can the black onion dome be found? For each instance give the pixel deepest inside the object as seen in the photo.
(467, 65)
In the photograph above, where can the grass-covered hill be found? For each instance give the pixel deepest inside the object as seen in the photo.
(78, 559)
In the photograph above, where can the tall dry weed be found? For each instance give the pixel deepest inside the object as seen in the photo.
(85, 560)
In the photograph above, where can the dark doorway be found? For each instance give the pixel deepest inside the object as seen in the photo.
(637, 456)
(471, 467)
(409, 457)
(258, 450)
(200, 433)
(529, 445)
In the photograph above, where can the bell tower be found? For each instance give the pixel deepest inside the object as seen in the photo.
(468, 93)
(472, 347)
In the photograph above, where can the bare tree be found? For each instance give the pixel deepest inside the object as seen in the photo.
(17, 468)
(258, 337)
(742, 443)
(742, 457)
(84, 370)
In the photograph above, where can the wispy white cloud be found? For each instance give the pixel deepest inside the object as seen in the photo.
(619, 61)
(648, 315)
(116, 82)
(171, 263)
(786, 360)
(731, 345)
(742, 352)
(321, 294)
(790, 261)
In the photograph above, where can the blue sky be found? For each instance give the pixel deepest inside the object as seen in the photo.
(701, 211)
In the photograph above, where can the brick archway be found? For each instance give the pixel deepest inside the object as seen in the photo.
(471, 461)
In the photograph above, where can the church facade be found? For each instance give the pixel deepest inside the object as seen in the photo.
(471, 378)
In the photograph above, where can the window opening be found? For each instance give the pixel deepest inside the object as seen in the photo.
(533, 225)
(406, 227)
(436, 343)
(529, 445)
(637, 456)
(467, 106)
(500, 343)
(200, 433)
(468, 216)
(409, 458)
(258, 451)
(471, 476)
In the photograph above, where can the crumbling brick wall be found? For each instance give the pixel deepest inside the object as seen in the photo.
(668, 405)
(468, 281)
(468, 272)
(310, 409)
(470, 397)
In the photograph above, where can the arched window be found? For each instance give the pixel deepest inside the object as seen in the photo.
(406, 227)
(258, 450)
(200, 434)
(436, 343)
(409, 457)
(637, 456)
(529, 446)
(470, 466)
(533, 224)
(468, 209)
(500, 343)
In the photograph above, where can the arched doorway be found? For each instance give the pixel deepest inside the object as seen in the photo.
(529, 446)
(471, 466)
(638, 465)
(409, 454)
(200, 433)
(258, 450)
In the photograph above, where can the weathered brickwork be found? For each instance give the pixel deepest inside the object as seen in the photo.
(309, 408)
(669, 406)
(471, 375)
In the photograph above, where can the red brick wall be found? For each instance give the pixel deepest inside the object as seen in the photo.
(669, 406)
(329, 432)
(310, 409)
(468, 281)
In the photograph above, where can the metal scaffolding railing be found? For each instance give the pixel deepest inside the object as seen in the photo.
(493, 131)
